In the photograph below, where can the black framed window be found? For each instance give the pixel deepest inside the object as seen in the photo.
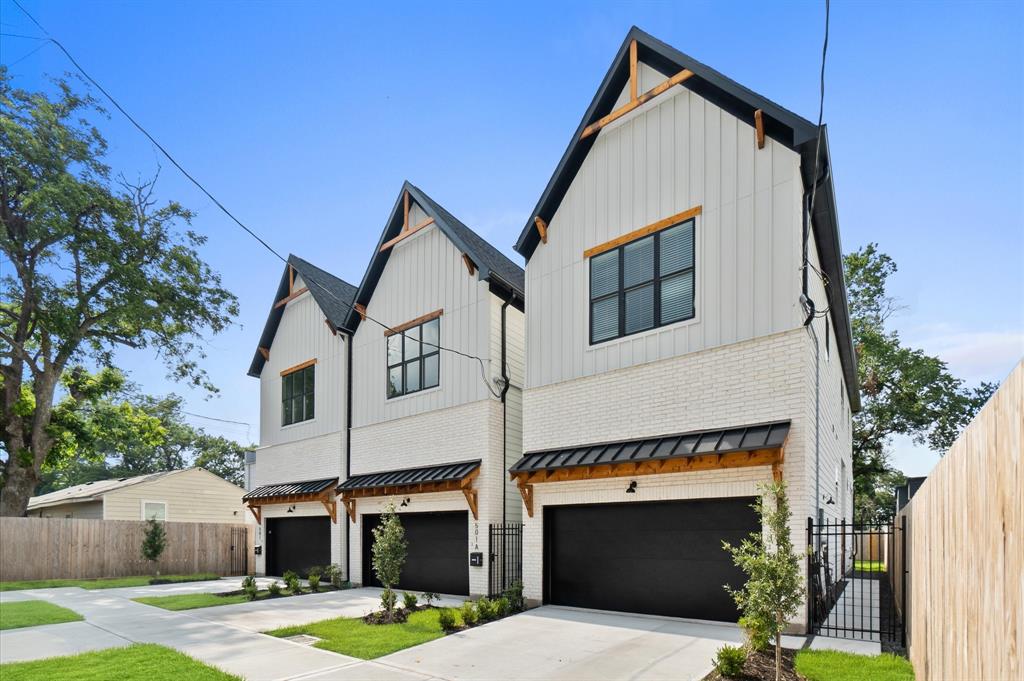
(414, 359)
(297, 390)
(644, 284)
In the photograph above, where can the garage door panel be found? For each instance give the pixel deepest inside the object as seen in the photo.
(438, 552)
(297, 544)
(662, 558)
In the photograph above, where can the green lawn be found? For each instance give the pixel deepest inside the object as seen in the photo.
(142, 662)
(191, 601)
(351, 636)
(869, 566)
(17, 614)
(109, 583)
(829, 665)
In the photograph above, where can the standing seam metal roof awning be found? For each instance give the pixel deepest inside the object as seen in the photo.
(681, 445)
(286, 489)
(449, 472)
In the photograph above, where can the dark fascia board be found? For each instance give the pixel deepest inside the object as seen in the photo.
(782, 125)
(392, 228)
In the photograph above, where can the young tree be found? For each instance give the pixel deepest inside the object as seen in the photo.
(903, 390)
(388, 555)
(153, 543)
(773, 592)
(94, 266)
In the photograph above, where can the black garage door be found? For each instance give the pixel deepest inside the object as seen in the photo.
(297, 544)
(438, 558)
(659, 558)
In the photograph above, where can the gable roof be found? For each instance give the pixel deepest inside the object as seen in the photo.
(91, 491)
(784, 126)
(492, 265)
(334, 296)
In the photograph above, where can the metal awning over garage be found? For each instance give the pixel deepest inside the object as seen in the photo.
(447, 477)
(293, 492)
(754, 445)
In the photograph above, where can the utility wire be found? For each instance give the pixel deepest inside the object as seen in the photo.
(817, 151)
(199, 185)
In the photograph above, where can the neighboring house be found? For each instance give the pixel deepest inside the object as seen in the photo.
(193, 495)
(433, 430)
(906, 491)
(672, 362)
(302, 364)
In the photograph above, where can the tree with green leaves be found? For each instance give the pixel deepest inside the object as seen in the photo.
(154, 541)
(904, 391)
(388, 555)
(774, 590)
(91, 266)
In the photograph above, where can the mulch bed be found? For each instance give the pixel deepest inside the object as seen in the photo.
(760, 666)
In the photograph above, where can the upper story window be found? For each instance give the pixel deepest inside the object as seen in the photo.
(643, 284)
(414, 358)
(297, 388)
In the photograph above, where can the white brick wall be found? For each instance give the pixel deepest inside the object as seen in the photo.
(465, 432)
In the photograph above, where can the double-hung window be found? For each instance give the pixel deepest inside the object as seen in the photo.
(414, 358)
(643, 284)
(297, 391)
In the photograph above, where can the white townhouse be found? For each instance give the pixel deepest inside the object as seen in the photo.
(437, 357)
(679, 351)
(302, 363)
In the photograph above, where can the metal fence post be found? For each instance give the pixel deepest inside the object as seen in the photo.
(903, 581)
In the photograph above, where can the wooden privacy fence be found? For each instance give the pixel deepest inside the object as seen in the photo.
(965, 551)
(66, 548)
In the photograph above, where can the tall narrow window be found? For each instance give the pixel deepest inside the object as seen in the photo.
(644, 284)
(414, 358)
(297, 391)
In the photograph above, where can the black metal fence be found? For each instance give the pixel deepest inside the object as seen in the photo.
(849, 586)
(506, 560)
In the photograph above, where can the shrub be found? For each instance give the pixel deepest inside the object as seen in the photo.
(514, 594)
(249, 588)
(487, 609)
(758, 637)
(387, 601)
(334, 575)
(446, 618)
(315, 571)
(314, 582)
(429, 596)
(503, 607)
(468, 612)
(274, 589)
(154, 541)
(291, 580)
(409, 600)
(388, 553)
(730, 660)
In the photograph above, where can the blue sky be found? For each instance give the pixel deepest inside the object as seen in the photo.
(305, 118)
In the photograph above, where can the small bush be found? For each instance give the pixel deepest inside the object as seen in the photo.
(314, 582)
(429, 596)
(334, 575)
(274, 589)
(469, 615)
(758, 637)
(503, 607)
(291, 580)
(730, 660)
(315, 571)
(446, 618)
(486, 609)
(409, 600)
(388, 599)
(514, 594)
(249, 588)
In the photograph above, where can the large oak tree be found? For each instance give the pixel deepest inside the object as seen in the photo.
(89, 265)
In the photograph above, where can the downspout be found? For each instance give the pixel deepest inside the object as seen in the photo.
(348, 447)
(505, 383)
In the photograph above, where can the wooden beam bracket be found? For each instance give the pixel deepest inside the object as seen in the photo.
(542, 228)
(526, 492)
(470, 265)
(266, 354)
(290, 297)
(350, 508)
(759, 128)
(683, 75)
(332, 509)
(257, 513)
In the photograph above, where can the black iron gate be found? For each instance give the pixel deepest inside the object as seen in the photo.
(506, 561)
(850, 591)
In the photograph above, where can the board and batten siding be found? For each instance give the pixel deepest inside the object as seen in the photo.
(678, 152)
(301, 336)
(424, 273)
(192, 496)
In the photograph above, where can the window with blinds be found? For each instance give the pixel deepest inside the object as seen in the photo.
(297, 391)
(643, 284)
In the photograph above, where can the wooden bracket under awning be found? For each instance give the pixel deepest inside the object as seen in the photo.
(326, 497)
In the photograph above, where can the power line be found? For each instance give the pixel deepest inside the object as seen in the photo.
(817, 152)
(214, 418)
(199, 185)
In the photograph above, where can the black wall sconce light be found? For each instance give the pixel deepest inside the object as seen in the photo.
(405, 502)
(632, 487)
(291, 509)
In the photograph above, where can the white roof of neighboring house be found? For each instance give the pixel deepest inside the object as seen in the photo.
(91, 491)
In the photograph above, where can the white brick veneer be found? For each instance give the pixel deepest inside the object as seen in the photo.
(309, 459)
(763, 379)
(465, 432)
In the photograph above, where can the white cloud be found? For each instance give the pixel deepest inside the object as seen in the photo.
(982, 355)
